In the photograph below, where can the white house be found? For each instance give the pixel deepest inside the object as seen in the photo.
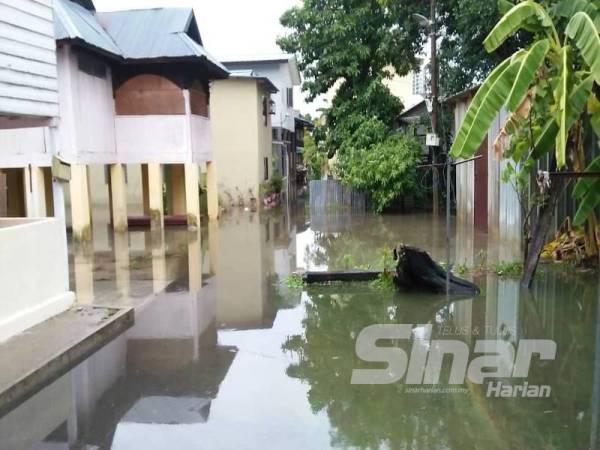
(133, 95)
(33, 261)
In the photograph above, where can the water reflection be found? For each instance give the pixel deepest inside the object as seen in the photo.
(225, 355)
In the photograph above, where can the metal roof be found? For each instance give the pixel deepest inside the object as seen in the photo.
(250, 61)
(135, 35)
(74, 22)
(251, 75)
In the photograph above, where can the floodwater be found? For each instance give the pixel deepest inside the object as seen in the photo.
(225, 355)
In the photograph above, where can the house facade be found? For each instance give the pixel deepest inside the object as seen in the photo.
(133, 92)
(34, 273)
(282, 71)
(241, 111)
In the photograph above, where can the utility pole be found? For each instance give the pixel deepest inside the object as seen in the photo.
(434, 102)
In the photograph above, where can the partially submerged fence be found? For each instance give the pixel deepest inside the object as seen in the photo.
(335, 207)
(331, 196)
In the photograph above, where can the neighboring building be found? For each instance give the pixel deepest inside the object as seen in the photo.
(241, 110)
(134, 101)
(34, 273)
(483, 201)
(283, 72)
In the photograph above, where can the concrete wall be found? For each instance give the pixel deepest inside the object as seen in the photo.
(241, 140)
(28, 79)
(34, 275)
(279, 73)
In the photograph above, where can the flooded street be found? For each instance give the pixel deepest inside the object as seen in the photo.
(224, 354)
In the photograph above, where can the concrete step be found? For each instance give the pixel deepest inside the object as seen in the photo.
(35, 358)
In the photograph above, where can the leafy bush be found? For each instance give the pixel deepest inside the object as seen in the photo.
(276, 183)
(313, 157)
(386, 169)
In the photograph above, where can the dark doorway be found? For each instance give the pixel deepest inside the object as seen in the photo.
(480, 187)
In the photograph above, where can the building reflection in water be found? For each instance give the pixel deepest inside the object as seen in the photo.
(218, 340)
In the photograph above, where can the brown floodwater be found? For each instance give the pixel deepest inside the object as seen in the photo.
(228, 353)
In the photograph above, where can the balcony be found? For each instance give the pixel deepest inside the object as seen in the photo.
(158, 121)
(165, 139)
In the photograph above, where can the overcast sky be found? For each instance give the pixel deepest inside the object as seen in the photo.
(229, 28)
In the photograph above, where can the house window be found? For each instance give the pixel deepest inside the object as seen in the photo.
(266, 167)
(91, 66)
(290, 97)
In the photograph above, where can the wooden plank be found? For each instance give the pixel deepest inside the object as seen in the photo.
(349, 275)
(27, 51)
(25, 20)
(27, 79)
(27, 66)
(28, 108)
(35, 8)
(31, 37)
(28, 93)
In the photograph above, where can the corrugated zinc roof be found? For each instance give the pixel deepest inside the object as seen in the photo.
(144, 34)
(156, 33)
(76, 22)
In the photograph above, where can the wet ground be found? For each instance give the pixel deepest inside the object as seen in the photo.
(226, 355)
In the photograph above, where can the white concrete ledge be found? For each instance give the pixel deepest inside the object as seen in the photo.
(34, 273)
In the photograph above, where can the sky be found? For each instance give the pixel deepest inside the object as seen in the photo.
(230, 28)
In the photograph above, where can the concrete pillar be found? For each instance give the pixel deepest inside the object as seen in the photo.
(35, 191)
(58, 199)
(159, 261)
(195, 262)
(213, 247)
(81, 215)
(118, 191)
(212, 193)
(192, 195)
(121, 249)
(83, 268)
(155, 195)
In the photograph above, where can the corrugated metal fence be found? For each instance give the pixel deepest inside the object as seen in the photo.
(331, 196)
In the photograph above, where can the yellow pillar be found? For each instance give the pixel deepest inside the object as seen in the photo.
(212, 194)
(83, 268)
(118, 190)
(195, 262)
(155, 195)
(121, 249)
(159, 262)
(81, 217)
(192, 195)
(35, 192)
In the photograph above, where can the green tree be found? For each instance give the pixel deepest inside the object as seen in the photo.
(465, 24)
(351, 40)
(381, 164)
(314, 158)
(549, 87)
(352, 46)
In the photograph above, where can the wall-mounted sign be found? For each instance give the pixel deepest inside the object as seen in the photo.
(432, 140)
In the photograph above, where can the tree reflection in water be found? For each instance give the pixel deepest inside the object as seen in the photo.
(386, 416)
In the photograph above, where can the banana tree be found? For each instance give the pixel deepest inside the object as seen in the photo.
(549, 89)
